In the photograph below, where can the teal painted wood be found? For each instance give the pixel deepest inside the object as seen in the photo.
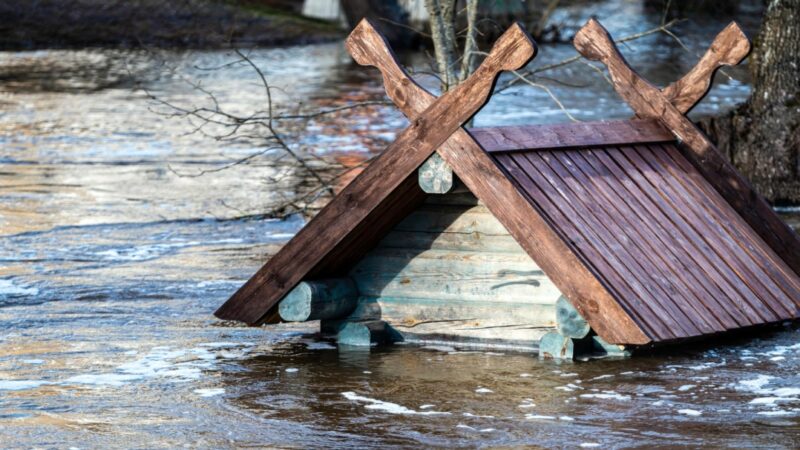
(485, 314)
(319, 299)
(453, 275)
(554, 345)
(451, 272)
(452, 219)
(463, 242)
(435, 176)
(570, 323)
(604, 347)
(365, 334)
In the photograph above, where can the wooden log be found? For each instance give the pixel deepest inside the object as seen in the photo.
(317, 300)
(554, 345)
(458, 276)
(569, 321)
(365, 334)
(452, 219)
(435, 176)
(455, 197)
(254, 301)
(610, 349)
(465, 242)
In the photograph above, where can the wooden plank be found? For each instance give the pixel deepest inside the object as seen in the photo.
(752, 243)
(647, 101)
(744, 244)
(622, 223)
(499, 277)
(524, 220)
(650, 298)
(519, 170)
(452, 219)
(695, 236)
(655, 238)
(467, 242)
(682, 236)
(716, 236)
(568, 135)
(253, 301)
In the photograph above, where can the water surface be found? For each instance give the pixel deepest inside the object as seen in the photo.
(111, 266)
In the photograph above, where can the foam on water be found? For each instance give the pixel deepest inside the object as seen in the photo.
(10, 289)
(391, 408)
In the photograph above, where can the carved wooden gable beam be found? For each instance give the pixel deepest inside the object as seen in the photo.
(491, 185)
(256, 301)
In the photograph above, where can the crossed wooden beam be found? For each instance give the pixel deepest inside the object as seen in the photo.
(436, 126)
(429, 128)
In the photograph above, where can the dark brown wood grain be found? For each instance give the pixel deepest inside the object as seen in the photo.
(253, 301)
(729, 48)
(569, 135)
(576, 279)
(647, 101)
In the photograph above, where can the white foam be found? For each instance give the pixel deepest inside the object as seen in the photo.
(539, 417)
(778, 412)
(8, 288)
(690, 412)
(589, 445)
(426, 406)
(391, 408)
(209, 392)
(320, 346)
(772, 400)
(687, 387)
(602, 377)
(20, 385)
(466, 414)
(566, 418)
(608, 395)
(292, 369)
(33, 361)
(525, 375)
(483, 390)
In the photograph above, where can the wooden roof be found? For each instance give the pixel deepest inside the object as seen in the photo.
(641, 224)
(673, 253)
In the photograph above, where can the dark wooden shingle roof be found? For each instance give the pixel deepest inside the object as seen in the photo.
(674, 254)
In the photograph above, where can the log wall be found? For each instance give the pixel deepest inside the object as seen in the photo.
(451, 272)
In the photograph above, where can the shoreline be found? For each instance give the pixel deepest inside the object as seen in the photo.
(119, 24)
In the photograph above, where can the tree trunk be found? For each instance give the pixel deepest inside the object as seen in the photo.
(762, 137)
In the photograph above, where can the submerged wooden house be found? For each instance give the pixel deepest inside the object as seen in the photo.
(601, 236)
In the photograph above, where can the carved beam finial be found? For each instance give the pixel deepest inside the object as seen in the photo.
(729, 48)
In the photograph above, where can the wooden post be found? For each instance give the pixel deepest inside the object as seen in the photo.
(569, 321)
(435, 176)
(554, 345)
(609, 349)
(365, 334)
(319, 300)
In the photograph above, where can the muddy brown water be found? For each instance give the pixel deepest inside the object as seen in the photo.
(111, 267)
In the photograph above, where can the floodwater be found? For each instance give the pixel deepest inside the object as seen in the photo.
(111, 265)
